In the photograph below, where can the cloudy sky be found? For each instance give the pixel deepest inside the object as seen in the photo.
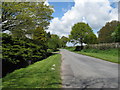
(94, 12)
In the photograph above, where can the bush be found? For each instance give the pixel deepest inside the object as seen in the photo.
(90, 50)
(49, 50)
(19, 53)
(78, 48)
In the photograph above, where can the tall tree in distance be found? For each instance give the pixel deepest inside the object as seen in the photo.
(64, 41)
(104, 35)
(116, 34)
(91, 39)
(80, 33)
(54, 42)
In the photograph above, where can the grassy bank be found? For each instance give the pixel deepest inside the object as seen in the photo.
(42, 74)
(108, 55)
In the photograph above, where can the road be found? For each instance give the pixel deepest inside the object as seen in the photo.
(80, 71)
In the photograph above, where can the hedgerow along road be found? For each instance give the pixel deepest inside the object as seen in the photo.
(80, 71)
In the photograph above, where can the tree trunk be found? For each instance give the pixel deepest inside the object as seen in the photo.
(81, 43)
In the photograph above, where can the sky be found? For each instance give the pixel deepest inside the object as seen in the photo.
(94, 12)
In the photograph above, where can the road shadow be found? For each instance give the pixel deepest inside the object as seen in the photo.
(91, 82)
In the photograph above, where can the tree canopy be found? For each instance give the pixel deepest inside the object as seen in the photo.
(82, 33)
(116, 34)
(54, 42)
(24, 17)
(64, 41)
(104, 35)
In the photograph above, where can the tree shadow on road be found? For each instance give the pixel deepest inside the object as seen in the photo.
(92, 82)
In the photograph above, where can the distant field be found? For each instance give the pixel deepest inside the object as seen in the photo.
(42, 74)
(108, 55)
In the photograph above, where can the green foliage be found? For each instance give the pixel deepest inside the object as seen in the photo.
(82, 33)
(39, 34)
(91, 39)
(70, 48)
(14, 48)
(54, 42)
(104, 35)
(63, 41)
(19, 52)
(37, 75)
(116, 34)
(49, 50)
(108, 55)
(22, 18)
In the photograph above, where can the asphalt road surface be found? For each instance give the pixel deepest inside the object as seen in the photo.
(80, 71)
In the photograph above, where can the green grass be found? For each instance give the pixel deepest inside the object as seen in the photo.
(108, 55)
(37, 75)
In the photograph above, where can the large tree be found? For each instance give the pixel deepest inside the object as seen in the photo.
(91, 39)
(54, 42)
(104, 35)
(24, 17)
(64, 41)
(80, 33)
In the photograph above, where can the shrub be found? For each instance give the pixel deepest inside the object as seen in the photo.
(79, 48)
(18, 53)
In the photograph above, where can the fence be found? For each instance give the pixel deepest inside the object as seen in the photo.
(103, 46)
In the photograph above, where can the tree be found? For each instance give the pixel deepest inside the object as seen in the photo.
(14, 15)
(116, 34)
(39, 34)
(80, 33)
(25, 16)
(91, 39)
(104, 34)
(54, 42)
(64, 41)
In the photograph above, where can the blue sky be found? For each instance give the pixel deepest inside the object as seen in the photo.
(61, 7)
(114, 4)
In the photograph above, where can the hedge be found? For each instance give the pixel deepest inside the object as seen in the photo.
(19, 53)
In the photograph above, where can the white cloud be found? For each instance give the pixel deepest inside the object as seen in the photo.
(95, 12)
(46, 3)
(64, 10)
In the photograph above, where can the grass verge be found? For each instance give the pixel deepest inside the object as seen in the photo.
(108, 55)
(42, 74)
